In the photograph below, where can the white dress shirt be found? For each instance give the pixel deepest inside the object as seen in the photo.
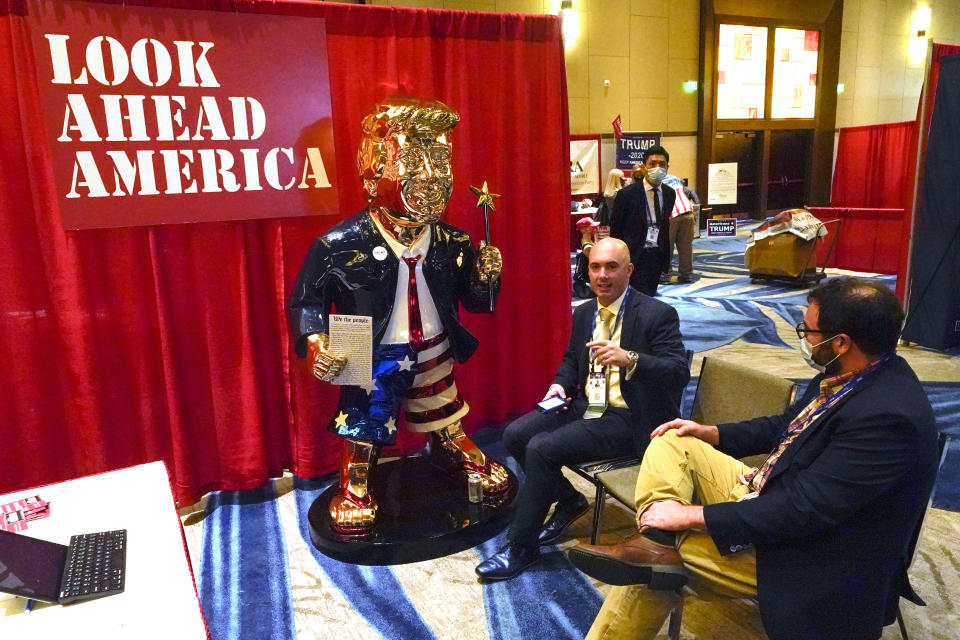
(398, 329)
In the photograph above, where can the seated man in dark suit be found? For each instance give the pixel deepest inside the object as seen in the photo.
(820, 531)
(621, 376)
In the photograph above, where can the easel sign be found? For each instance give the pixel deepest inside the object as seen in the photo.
(722, 183)
(722, 228)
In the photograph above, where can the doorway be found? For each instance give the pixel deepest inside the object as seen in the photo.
(744, 148)
(788, 169)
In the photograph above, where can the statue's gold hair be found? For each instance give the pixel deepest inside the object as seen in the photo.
(396, 116)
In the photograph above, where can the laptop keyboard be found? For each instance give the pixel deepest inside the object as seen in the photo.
(95, 566)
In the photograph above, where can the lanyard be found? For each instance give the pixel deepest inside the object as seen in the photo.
(770, 461)
(857, 379)
(616, 322)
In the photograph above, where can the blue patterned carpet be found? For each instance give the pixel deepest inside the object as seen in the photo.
(247, 592)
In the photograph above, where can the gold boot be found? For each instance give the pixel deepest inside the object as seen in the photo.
(353, 511)
(451, 448)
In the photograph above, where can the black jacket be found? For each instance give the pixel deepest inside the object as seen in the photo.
(652, 329)
(832, 525)
(629, 219)
(340, 269)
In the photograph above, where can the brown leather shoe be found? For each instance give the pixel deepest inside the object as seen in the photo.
(636, 560)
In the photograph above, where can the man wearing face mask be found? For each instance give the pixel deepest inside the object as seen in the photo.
(641, 218)
(819, 532)
(399, 263)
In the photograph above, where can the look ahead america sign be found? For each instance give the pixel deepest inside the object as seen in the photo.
(158, 116)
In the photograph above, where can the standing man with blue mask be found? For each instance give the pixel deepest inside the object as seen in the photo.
(819, 532)
(641, 218)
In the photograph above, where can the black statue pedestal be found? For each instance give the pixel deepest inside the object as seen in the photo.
(423, 514)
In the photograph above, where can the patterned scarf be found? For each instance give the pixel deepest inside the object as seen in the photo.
(831, 391)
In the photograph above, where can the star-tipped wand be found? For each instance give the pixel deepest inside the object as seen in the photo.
(486, 202)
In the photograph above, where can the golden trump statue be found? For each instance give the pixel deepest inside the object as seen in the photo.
(399, 264)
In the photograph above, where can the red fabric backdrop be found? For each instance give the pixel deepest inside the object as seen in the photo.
(874, 176)
(868, 239)
(126, 345)
(874, 166)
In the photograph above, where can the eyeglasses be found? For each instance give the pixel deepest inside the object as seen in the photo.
(802, 330)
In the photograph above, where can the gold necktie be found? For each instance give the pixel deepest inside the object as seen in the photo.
(605, 316)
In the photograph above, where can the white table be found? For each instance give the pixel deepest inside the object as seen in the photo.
(159, 598)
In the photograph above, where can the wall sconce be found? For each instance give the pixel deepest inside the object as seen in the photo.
(569, 23)
(919, 26)
(840, 88)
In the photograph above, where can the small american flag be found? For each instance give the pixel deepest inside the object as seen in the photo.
(681, 204)
(617, 129)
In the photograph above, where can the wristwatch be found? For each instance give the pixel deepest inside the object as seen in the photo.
(632, 356)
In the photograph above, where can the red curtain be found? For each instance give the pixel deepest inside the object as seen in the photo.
(874, 170)
(868, 239)
(127, 345)
(874, 167)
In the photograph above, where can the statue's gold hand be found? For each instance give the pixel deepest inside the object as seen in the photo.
(324, 365)
(489, 262)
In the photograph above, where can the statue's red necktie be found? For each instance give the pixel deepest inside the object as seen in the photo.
(413, 304)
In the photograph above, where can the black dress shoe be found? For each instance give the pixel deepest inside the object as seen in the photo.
(563, 516)
(510, 561)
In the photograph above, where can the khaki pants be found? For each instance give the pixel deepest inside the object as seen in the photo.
(690, 471)
(681, 237)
